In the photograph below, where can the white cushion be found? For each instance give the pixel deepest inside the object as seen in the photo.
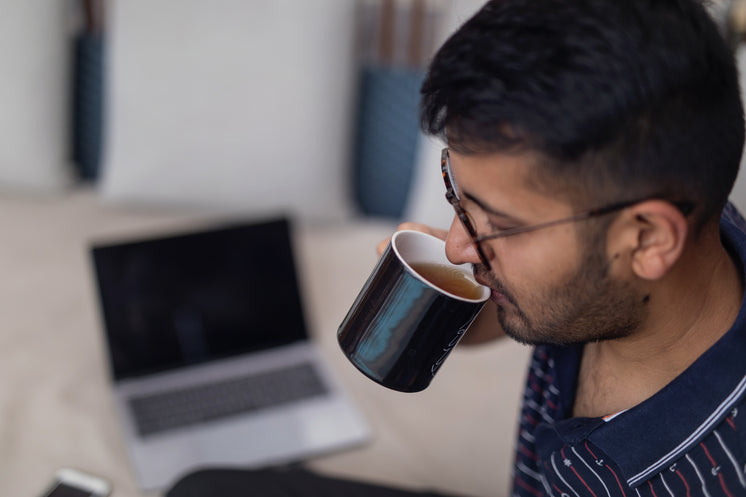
(427, 202)
(738, 195)
(34, 56)
(236, 104)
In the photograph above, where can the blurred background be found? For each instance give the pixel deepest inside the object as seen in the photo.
(232, 105)
(135, 116)
(237, 105)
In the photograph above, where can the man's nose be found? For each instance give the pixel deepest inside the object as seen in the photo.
(460, 247)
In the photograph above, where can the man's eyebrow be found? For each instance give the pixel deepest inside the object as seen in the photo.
(482, 205)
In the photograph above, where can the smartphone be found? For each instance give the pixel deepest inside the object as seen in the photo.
(70, 482)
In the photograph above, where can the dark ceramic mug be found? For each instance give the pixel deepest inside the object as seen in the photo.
(411, 312)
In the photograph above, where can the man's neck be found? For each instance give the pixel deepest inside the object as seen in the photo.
(690, 310)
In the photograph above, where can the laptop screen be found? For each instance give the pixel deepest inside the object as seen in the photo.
(191, 298)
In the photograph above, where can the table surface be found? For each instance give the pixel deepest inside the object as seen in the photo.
(56, 408)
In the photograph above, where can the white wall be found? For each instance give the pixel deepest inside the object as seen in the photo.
(34, 57)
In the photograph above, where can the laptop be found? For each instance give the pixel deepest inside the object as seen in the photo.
(210, 355)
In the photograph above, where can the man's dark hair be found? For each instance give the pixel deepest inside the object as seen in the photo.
(622, 99)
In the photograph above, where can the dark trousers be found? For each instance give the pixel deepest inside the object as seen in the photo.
(279, 482)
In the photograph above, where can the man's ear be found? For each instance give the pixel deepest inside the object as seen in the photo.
(655, 231)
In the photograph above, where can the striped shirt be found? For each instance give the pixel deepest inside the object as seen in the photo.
(687, 440)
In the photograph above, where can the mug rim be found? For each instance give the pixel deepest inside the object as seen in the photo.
(485, 289)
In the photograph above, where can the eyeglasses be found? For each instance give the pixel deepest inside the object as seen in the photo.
(454, 198)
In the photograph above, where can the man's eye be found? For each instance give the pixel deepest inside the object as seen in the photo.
(500, 226)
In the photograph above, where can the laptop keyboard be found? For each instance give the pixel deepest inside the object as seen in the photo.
(182, 407)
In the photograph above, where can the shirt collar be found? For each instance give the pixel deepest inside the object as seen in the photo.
(663, 428)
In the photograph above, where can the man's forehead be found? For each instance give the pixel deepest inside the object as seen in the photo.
(504, 181)
(514, 168)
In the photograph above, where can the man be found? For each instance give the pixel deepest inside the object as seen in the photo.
(592, 146)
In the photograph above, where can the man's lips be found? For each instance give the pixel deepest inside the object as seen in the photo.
(497, 297)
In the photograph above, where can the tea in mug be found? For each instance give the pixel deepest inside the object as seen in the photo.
(450, 279)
